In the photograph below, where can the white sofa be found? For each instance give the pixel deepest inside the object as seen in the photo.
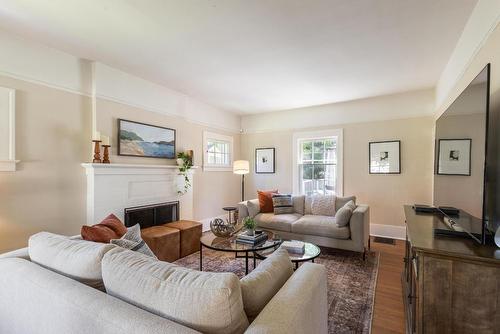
(321, 230)
(36, 300)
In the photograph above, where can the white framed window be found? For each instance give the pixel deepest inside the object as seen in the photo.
(317, 162)
(217, 152)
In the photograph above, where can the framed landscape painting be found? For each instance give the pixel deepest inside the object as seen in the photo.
(264, 161)
(145, 140)
(385, 157)
(454, 157)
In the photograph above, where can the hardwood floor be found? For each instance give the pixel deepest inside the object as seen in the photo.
(388, 313)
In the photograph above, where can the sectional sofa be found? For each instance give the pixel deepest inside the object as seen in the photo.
(61, 285)
(321, 230)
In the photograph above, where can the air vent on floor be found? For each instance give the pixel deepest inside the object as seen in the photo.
(382, 240)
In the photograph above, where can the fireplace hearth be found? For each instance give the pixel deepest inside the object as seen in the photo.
(152, 215)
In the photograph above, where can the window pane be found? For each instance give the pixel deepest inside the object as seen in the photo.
(307, 172)
(319, 172)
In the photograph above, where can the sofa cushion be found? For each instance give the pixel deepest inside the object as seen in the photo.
(298, 203)
(204, 301)
(77, 259)
(277, 222)
(266, 200)
(132, 240)
(253, 207)
(341, 201)
(323, 226)
(260, 286)
(344, 214)
(323, 205)
(110, 228)
(282, 203)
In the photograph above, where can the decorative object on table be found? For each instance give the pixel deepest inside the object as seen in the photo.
(145, 140)
(250, 224)
(231, 214)
(221, 228)
(265, 160)
(255, 239)
(294, 246)
(454, 157)
(241, 167)
(97, 151)
(385, 157)
(185, 164)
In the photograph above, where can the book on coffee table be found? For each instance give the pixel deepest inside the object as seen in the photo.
(251, 239)
(294, 246)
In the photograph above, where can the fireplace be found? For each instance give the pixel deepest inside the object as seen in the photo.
(152, 215)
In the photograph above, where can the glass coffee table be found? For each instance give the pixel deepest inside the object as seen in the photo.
(311, 252)
(256, 252)
(230, 245)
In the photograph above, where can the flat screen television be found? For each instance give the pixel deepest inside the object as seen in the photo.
(466, 157)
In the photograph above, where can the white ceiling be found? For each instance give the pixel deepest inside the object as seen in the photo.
(253, 56)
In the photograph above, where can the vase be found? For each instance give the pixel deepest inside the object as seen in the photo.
(251, 232)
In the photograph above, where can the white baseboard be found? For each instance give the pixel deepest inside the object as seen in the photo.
(388, 231)
(206, 222)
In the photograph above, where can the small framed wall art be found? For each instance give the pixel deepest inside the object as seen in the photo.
(385, 157)
(264, 160)
(454, 157)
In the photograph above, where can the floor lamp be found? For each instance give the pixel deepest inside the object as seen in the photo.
(241, 167)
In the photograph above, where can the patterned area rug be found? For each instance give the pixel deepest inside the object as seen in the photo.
(351, 283)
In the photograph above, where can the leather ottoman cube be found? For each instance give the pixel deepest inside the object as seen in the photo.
(163, 241)
(190, 235)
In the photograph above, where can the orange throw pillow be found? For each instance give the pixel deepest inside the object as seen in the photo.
(110, 228)
(266, 200)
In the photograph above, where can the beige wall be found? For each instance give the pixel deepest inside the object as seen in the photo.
(212, 190)
(386, 194)
(47, 192)
(53, 131)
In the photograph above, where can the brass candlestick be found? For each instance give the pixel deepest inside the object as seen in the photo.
(105, 159)
(97, 152)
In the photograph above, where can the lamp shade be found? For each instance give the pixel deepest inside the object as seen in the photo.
(241, 167)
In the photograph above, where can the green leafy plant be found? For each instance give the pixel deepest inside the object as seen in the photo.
(249, 223)
(184, 171)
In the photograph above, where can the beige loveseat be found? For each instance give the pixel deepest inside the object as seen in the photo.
(321, 230)
(38, 300)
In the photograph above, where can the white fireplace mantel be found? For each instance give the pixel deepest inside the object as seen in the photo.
(113, 187)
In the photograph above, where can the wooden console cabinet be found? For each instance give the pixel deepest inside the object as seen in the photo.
(450, 285)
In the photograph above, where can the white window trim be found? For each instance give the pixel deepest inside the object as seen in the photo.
(214, 168)
(8, 162)
(315, 135)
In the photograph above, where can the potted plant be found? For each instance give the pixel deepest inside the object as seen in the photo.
(250, 225)
(185, 164)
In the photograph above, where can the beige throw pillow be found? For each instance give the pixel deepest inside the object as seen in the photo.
(260, 286)
(253, 207)
(343, 215)
(204, 301)
(323, 205)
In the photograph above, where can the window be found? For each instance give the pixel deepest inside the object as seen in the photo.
(218, 152)
(318, 163)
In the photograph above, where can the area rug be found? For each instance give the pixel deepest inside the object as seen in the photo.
(351, 283)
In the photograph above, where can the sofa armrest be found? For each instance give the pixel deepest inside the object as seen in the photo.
(242, 210)
(360, 226)
(300, 306)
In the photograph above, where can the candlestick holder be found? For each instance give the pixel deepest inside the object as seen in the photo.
(105, 159)
(97, 151)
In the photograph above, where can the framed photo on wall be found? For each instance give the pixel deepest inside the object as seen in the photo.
(454, 157)
(385, 157)
(145, 140)
(264, 160)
